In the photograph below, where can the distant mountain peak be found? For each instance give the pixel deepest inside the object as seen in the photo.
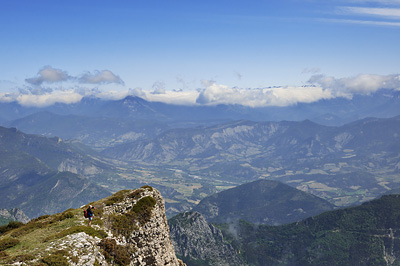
(262, 202)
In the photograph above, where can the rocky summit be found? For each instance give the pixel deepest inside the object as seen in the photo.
(128, 228)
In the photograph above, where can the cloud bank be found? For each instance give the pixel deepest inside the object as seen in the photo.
(276, 96)
(48, 99)
(360, 84)
(211, 93)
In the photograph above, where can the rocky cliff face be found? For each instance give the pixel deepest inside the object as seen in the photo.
(14, 215)
(128, 228)
(200, 243)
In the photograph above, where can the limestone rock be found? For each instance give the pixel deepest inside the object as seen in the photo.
(14, 214)
(196, 240)
(137, 233)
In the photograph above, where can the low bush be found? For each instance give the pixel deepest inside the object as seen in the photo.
(65, 215)
(124, 224)
(10, 226)
(143, 209)
(148, 187)
(3, 254)
(7, 243)
(117, 197)
(58, 258)
(40, 218)
(24, 258)
(29, 227)
(116, 254)
(137, 193)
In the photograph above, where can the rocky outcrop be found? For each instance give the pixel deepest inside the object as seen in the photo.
(14, 215)
(200, 243)
(148, 242)
(128, 228)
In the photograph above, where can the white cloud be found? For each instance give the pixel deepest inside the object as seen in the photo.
(101, 77)
(277, 96)
(7, 97)
(382, 2)
(363, 83)
(382, 12)
(364, 22)
(49, 75)
(181, 97)
(49, 98)
(158, 87)
(212, 93)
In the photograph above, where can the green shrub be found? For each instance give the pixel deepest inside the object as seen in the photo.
(137, 193)
(58, 258)
(65, 215)
(29, 227)
(23, 258)
(10, 226)
(8, 243)
(75, 259)
(116, 254)
(98, 212)
(3, 254)
(40, 218)
(124, 224)
(117, 197)
(98, 222)
(147, 187)
(143, 209)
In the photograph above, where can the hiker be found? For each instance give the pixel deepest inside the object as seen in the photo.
(90, 214)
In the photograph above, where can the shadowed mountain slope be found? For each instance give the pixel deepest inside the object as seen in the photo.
(261, 202)
(362, 235)
(42, 176)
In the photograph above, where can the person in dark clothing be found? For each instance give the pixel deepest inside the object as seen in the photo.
(90, 214)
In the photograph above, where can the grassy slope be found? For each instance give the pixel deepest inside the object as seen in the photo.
(36, 236)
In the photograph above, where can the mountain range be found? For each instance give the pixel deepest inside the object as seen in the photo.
(305, 160)
(351, 163)
(339, 111)
(190, 152)
(344, 165)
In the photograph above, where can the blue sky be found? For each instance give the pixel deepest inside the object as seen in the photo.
(155, 48)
